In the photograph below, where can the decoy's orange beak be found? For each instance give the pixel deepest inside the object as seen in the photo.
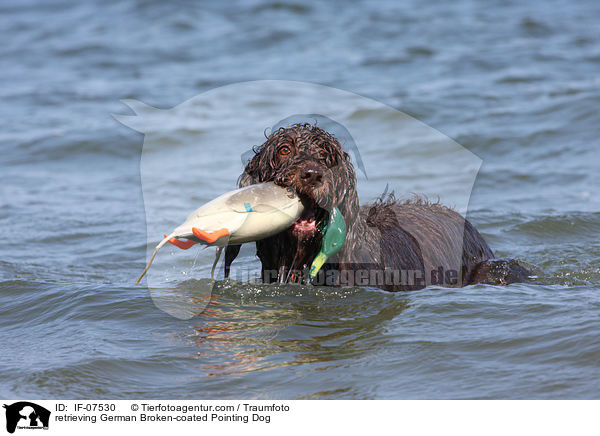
(209, 237)
(184, 245)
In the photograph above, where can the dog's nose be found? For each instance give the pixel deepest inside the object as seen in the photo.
(312, 176)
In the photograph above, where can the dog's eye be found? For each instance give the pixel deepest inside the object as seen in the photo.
(284, 150)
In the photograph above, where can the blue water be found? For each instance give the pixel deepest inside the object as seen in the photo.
(516, 84)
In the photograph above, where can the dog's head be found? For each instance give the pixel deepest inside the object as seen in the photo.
(313, 163)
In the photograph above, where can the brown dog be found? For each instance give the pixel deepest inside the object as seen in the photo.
(389, 244)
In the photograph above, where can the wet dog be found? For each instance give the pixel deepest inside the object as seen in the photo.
(393, 245)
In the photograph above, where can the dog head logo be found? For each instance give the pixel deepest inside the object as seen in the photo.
(26, 415)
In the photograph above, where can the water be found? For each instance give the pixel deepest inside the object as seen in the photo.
(518, 85)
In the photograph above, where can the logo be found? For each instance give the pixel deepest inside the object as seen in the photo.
(26, 415)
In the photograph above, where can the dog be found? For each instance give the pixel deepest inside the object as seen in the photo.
(389, 244)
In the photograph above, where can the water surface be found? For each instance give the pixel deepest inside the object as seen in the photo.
(518, 85)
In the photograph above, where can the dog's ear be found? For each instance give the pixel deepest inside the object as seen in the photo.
(348, 206)
(345, 187)
(246, 180)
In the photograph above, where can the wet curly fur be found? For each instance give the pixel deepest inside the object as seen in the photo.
(390, 244)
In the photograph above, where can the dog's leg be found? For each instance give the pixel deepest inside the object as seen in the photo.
(499, 272)
(231, 252)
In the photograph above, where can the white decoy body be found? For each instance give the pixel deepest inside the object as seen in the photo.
(244, 215)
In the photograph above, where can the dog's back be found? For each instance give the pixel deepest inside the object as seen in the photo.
(414, 244)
